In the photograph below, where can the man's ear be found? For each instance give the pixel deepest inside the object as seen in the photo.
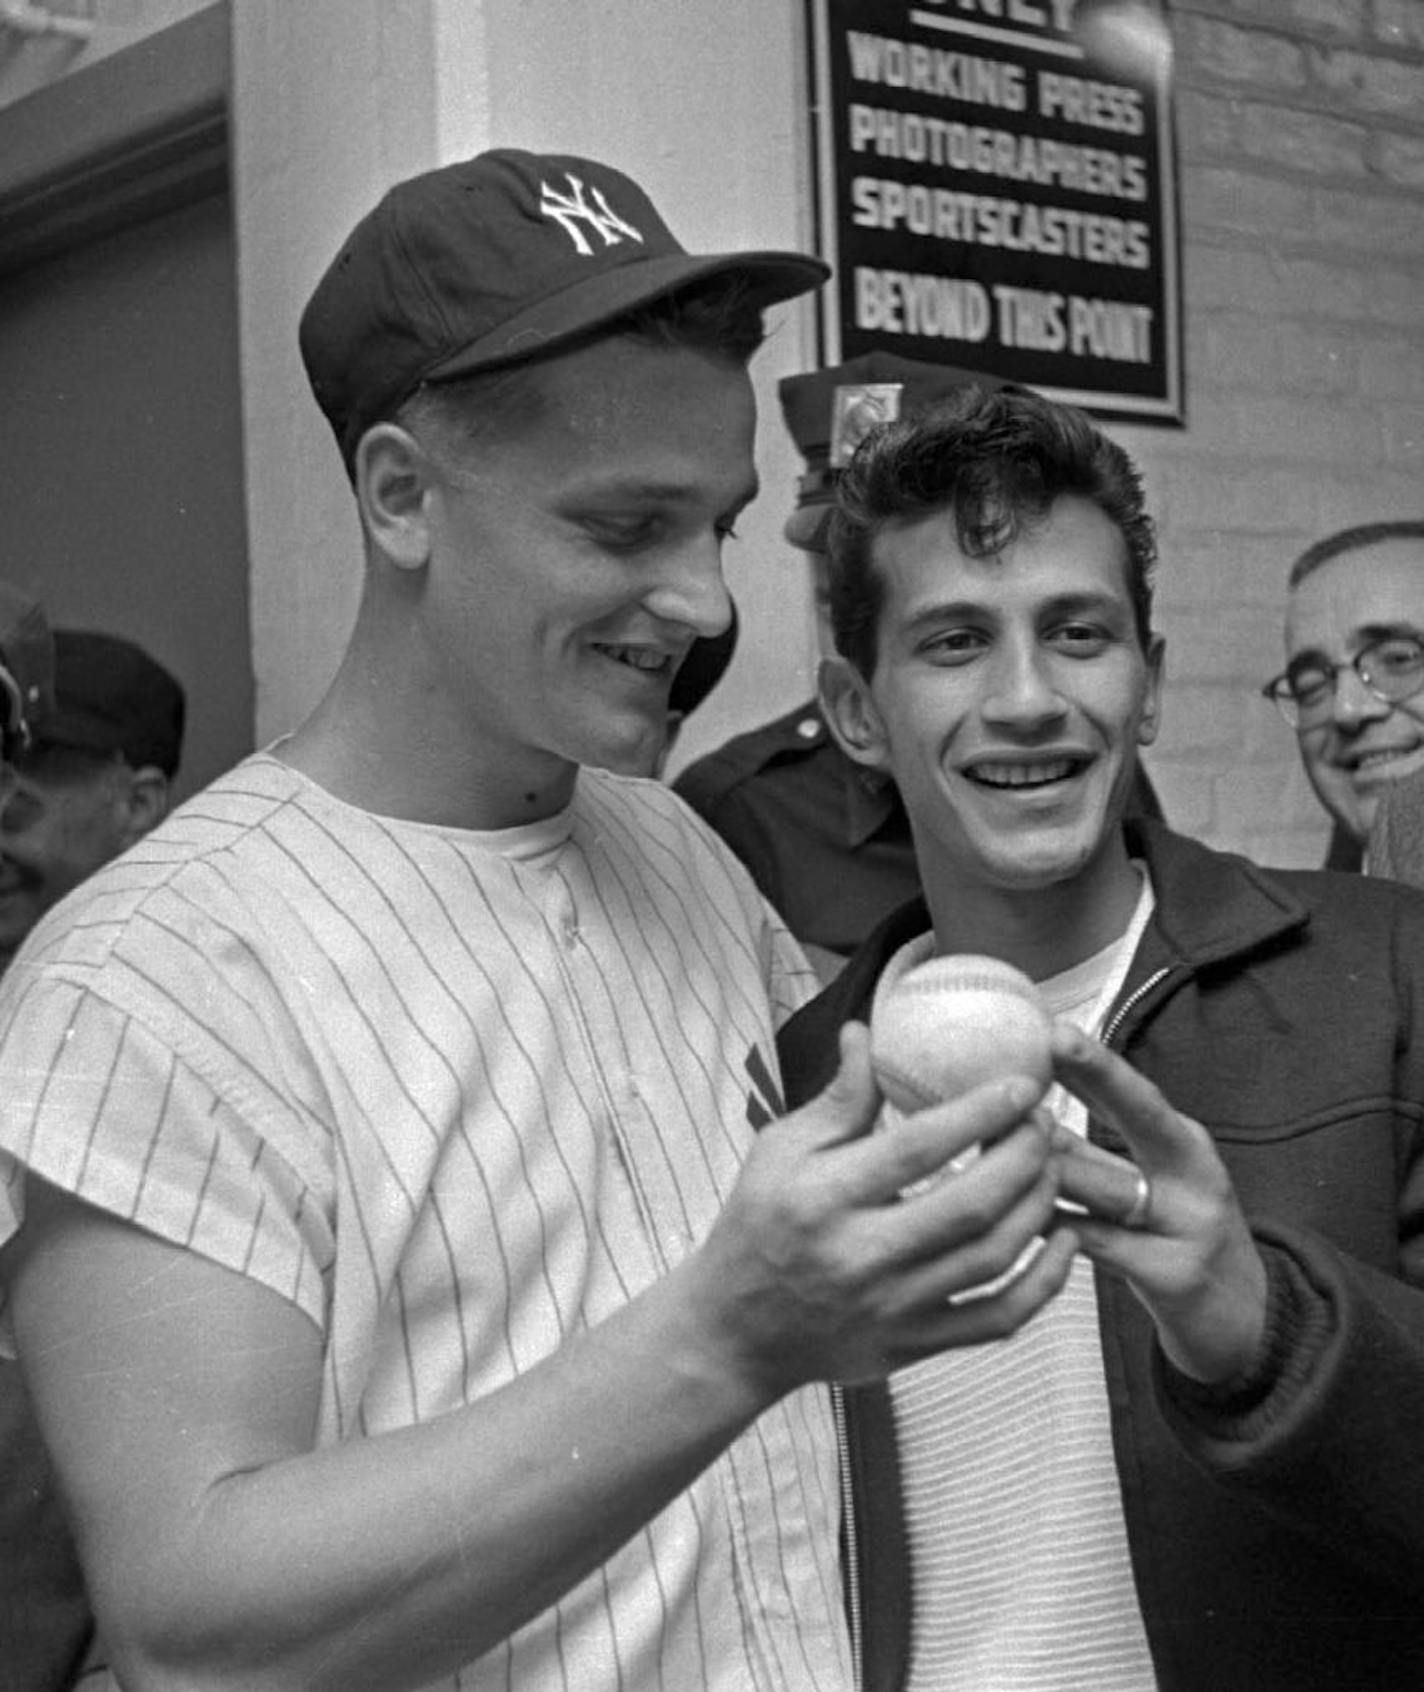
(394, 481)
(144, 802)
(849, 709)
(1151, 719)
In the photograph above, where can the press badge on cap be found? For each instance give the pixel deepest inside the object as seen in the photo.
(858, 408)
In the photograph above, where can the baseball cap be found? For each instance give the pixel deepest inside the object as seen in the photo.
(493, 261)
(829, 412)
(26, 668)
(110, 696)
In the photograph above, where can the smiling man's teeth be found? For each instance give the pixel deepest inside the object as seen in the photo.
(1023, 775)
(639, 657)
(1371, 759)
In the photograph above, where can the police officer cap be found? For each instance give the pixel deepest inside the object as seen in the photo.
(829, 411)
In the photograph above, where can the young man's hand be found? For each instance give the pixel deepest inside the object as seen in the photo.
(1180, 1240)
(841, 1249)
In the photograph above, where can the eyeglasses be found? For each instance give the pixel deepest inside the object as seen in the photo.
(1392, 668)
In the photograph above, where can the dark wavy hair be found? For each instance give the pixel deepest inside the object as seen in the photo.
(997, 460)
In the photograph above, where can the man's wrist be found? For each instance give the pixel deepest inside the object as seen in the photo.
(1246, 1389)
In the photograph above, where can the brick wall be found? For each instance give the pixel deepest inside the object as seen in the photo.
(1301, 142)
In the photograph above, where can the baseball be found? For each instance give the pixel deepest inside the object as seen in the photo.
(953, 1023)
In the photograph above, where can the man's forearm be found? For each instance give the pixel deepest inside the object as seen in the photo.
(227, 1559)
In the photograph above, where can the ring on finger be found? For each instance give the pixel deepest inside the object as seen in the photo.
(1141, 1207)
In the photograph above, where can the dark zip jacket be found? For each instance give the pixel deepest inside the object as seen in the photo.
(1276, 1527)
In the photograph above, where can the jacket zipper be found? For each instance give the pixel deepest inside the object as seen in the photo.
(1135, 997)
(852, 1541)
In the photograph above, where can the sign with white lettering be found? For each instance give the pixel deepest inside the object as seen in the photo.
(996, 189)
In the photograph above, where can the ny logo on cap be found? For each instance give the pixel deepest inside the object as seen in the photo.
(571, 209)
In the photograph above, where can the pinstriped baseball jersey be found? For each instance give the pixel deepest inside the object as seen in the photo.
(456, 1096)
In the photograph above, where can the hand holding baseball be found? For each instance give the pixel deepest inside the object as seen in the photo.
(818, 1269)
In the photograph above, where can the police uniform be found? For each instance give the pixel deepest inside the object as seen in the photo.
(826, 841)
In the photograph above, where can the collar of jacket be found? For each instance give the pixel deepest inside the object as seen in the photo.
(1210, 905)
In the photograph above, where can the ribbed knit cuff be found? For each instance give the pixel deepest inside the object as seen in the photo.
(1293, 1335)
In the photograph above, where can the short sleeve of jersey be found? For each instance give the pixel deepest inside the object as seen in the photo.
(102, 1108)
